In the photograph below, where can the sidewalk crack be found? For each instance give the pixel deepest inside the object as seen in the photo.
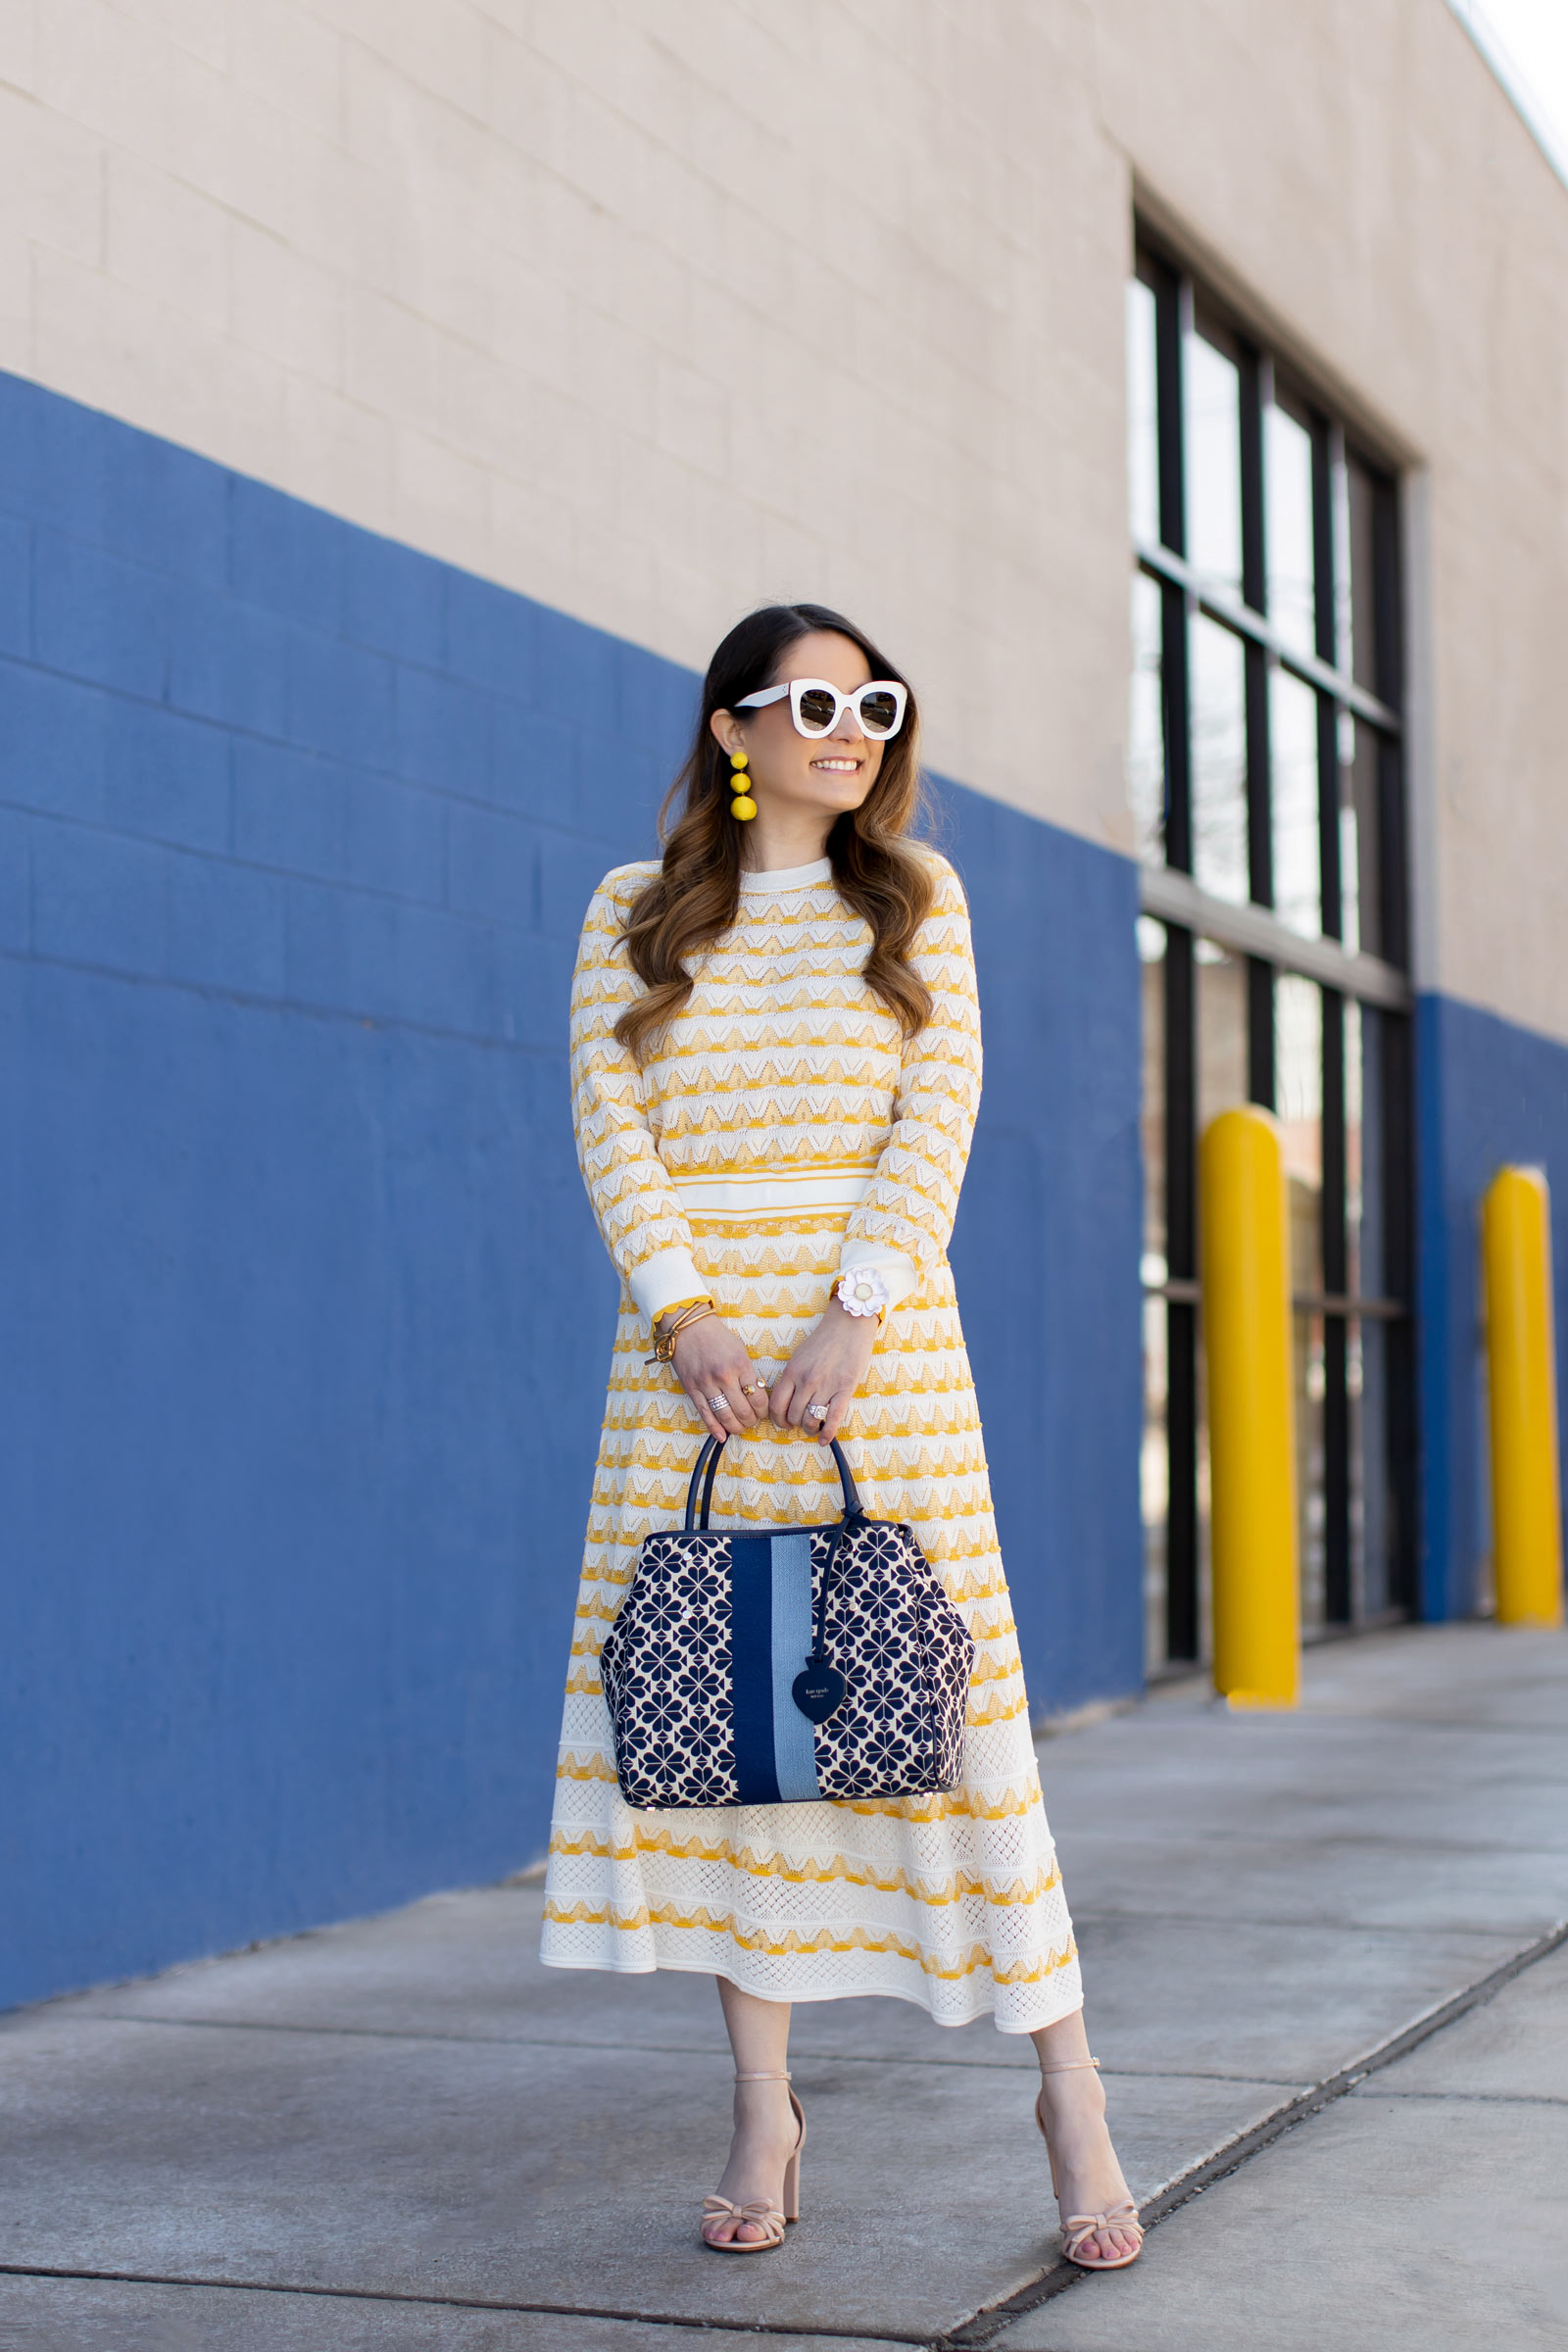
(985, 2326)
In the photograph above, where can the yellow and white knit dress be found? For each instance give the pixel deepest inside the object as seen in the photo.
(783, 1131)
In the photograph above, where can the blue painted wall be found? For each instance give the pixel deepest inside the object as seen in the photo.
(1045, 1248)
(1489, 1094)
(305, 1320)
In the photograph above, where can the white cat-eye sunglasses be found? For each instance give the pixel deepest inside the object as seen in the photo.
(817, 707)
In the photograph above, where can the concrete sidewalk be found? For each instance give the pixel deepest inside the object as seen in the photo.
(405, 2133)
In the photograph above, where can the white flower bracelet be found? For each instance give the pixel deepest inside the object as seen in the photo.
(863, 1292)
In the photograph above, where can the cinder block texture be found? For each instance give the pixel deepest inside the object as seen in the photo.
(192, 662)
(651, 314)
(289, 1203)
(306, 1318)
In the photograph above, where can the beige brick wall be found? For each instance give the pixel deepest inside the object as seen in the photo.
(639, 305)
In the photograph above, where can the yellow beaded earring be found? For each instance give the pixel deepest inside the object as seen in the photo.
(742, 805)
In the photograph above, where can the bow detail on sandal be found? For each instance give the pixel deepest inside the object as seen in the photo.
(1077, 2228)
(761, 2212)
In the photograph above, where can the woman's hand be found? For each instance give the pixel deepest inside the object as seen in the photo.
(715, 1372)
(826, 1368)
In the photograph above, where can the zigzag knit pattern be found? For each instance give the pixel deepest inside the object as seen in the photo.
(784, 1069)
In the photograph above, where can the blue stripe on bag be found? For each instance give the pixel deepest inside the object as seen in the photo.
(751, 1640)
(770, 1633)
(794, 1741)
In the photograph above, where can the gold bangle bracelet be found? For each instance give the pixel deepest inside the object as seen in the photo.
(665, 1343)
(685, 1310)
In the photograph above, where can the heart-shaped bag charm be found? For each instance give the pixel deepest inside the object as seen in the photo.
(819, 1691)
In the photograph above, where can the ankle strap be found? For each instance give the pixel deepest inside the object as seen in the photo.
(1067, 2066)
(764, 2078)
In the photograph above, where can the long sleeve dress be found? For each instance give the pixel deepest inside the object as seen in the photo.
(783, 1131)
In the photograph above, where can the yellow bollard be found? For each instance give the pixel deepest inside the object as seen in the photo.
(1526, 1513)
(1251, 1451)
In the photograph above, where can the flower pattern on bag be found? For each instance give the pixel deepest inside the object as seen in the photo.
(665, 1666)
(907, 1654)
(891, 1631)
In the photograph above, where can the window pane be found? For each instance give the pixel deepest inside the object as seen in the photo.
(1143, 412)
(1222, 1061)
(1155, 1477)
(1298, 1092)
(1361, 502)
(1151, 958)
(1359, 884)
(1371, 1507)
(1366, 1173)
(1154, 1472)
(1288, 525)
(1214, 464)
(1219, 762)
(1146, 722)
(1311, 1388)
(1354, 1096)
(1220, 1021)
(1293, 755)
(1339, 519)
(1202, 1486)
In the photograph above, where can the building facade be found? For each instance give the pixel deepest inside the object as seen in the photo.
(399, 401)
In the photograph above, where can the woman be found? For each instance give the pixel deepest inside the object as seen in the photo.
(776, 1066)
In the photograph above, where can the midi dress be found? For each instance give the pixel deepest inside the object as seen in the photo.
(782, 1131)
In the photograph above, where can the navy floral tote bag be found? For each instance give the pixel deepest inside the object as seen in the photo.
(785, 1665)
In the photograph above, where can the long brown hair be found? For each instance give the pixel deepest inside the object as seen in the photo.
(696, 894)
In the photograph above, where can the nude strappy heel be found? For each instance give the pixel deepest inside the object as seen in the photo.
(1078, 2227)
(762, 2212)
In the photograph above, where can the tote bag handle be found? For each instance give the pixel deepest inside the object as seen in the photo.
(707, 1461)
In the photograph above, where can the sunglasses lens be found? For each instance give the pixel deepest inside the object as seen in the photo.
(879, 711)
(819, 710)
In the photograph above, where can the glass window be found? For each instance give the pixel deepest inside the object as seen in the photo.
(1154, 1460)
(1146, 722)
(1155, 1477)
(1298, 1096)
(1290, 536)
(1354, 1098)
(1143, 412)
(1310, 1516)
(1361, 537)
(1299, 1080)
(1294, 800)
(1222, 1049)
(1213, 462)
(1151, 958)
(1370, 1370)
(1219, 760)
(1371, 1497)
(1359, 877)
(1366, 1170)
(1275, 784)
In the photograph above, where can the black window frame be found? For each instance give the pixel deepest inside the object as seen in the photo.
(1381, 980)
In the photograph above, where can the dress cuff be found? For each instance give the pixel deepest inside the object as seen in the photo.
(657, 1283)
(900, 1274)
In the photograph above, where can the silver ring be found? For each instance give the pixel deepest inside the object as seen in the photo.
(818, 1412)
(721, 1404)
